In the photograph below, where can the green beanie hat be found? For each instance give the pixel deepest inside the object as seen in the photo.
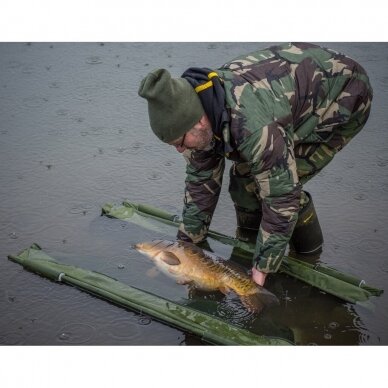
(173, 105)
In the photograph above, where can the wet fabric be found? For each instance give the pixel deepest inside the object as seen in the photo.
(345, 287)
(292, 108)
(207, 327)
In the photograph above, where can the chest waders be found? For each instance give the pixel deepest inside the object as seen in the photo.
(306, 238)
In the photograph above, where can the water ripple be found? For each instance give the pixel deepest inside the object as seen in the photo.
(103, 183)
(363, 334)
(346, 238)
(11, 338)
(133, 149)
(137, 145)
(78, 119)
(6, 222)
(14, 65)
(333, 325)
(82, 208)
(382, 162)
(113, 264)
(144, 320)
(360, 197)
(75, 333)
(232, 310)
(371, 245)
(28, 69)
(384, 187)
(62, 112)
(383, 81)
(24, 220)
(93, 131)
(113, 225)
(125, 329)
(34, 101)
(87, 92)
(327, 336)
(13, 235)
(93, 60)
(54, 85)
(155, 176)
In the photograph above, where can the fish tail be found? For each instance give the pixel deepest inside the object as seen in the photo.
(257, 301)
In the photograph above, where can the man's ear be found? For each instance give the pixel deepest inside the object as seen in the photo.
(203, 121)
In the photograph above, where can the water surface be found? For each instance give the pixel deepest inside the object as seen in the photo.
(75, 135)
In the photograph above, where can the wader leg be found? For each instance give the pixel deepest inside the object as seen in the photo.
(307, 236)
(312, 157)
(242, 189)
(248, 224)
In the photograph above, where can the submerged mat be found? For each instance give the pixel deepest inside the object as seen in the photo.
(208, 328)
(343, 286)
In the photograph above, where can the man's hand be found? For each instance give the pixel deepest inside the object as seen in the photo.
(258, 277)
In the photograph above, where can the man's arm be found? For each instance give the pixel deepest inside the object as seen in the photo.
(203, 186)
(273, 166)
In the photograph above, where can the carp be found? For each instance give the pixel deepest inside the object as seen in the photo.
(189, 264)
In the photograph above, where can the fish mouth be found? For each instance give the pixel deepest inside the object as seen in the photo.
(138, 248)
(154, 246)
(150, 252)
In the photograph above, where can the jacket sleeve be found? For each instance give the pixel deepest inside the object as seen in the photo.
(203, 186)
(271, 157)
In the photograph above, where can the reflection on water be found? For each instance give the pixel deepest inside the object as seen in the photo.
(74, 135)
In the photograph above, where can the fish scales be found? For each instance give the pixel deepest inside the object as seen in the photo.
(189, 264)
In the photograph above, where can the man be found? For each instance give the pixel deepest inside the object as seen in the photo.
(280, 114)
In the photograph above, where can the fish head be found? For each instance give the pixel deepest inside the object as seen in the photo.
(149, 248)
(154, 247)
(163, 253)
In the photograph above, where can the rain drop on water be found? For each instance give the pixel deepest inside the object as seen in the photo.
(94, 60)
(64, 336)
(144, 320)
(333, 325)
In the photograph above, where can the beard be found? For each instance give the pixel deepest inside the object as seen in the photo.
(204, 140)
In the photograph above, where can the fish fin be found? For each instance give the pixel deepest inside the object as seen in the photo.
(252, 303)
(192, 291)
(225, 290)
(256, 302)
(169, 258)
(152, 272)
(184, 281)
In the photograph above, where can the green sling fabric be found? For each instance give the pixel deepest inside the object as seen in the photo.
(327, 279)
(210, 329)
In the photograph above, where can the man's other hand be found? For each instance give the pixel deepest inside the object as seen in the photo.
(258, 276)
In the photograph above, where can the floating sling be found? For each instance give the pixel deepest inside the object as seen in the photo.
(327, 279)
(210, 329)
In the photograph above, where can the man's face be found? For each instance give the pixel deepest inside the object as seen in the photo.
(197, 138)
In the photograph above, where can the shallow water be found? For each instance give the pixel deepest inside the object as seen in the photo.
(75, 135)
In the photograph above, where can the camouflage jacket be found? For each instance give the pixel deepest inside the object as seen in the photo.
(277, 97)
